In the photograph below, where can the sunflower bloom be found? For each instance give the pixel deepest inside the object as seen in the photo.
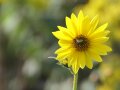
(81, 42)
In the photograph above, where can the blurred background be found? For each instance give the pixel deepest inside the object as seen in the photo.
(26, 43)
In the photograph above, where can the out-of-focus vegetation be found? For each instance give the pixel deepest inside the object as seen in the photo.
(26, 42)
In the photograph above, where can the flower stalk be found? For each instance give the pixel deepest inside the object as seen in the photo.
(75, 81)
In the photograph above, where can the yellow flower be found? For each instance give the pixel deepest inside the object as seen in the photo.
(81, 42)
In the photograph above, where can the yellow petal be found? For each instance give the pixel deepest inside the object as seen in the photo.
(89, 62)
(72, 58)
(62, 28)
(80, 19)
(75, 67)
(74, 21)
(65, 31)
(98, 50)
(62, 56)
(94, 55)
(85, 26)
(65, 43)
(63, 61)
(102, 27)
(80, 16)
(69, 23)
(98, 34)
(75, 63)
(70, 26)
(93, 23)
(60, 35)
(100, 30)
(104, 47)
(99, 40)
(82, 59)
(62, 50)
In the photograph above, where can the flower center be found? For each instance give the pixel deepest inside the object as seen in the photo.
(81, 43)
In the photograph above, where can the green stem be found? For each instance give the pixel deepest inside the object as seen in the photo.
(75, 81)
